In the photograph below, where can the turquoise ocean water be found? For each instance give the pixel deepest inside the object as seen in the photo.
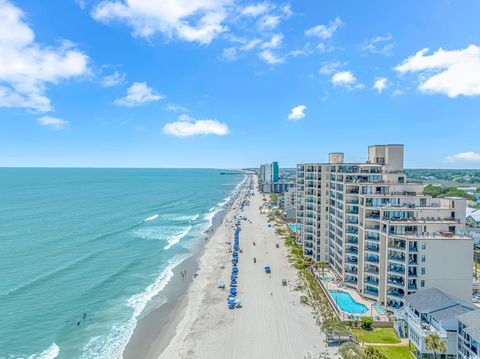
(96, 241)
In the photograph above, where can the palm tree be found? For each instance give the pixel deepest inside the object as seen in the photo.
(435, 344)
(322, 265)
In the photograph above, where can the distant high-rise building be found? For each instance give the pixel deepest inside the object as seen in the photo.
(274, 171)
(269, 179)
(380, 233)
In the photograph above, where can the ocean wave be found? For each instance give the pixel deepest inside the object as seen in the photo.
(112, 345)
(43, 277)
(50, 353)
(175, 239)
(155, 216)
(185, 217)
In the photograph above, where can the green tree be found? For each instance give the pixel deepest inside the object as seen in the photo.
(367, 323)
(435, 344)
(372, 353)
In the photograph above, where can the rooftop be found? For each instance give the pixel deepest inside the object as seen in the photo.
(472, 322)
(430, 300)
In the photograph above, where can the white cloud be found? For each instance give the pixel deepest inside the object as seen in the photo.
(464, 157)
(269, 22)
(113, 80)
(27, 67)
(346, 79)
(256, 10)
(175, 108)
(186, 126)
(53, 122)
(274, 43)
(330, 67)
(194, 20)
(270, 58)
(138, 94)
(267, 54)
(379, 45)
(453, 73)
(324, 48)
(380, 84)
(297, 113)
(229, 54)
(251, 44)
(325, 31)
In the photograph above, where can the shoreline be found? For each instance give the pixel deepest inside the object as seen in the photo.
(155, 329)
(272, 321)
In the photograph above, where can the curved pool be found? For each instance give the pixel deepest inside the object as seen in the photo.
(346, 303)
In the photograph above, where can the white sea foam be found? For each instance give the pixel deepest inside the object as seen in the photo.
(185, 217)
(155, 216)
(112, 345)
(50, 353)
(175, 239)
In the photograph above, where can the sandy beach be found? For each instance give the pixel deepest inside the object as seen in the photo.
(272, 322)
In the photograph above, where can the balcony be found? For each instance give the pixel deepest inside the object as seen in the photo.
(396, 269)
(372, 259)
(352, 260)
(371, 291)
(413, 260)
(413, 248)
(412, 286)
(396, 281)
(350, 279)
(372, 270)
(351, 250)
(395, 244)
(395, 257)
(372, 238)
(371, 281)
(372, 248)
(350, 270)
(398, 293)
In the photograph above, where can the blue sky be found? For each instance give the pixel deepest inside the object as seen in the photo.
(229, 83)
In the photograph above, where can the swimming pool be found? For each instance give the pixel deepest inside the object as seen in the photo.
(293, 227)
(346, 303)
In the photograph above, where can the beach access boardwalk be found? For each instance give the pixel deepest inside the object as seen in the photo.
(272, 322)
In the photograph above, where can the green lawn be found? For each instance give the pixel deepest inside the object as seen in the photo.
(401, 352)
(378, 335)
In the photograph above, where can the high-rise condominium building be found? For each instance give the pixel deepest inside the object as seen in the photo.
(268, 177)
(379, 232)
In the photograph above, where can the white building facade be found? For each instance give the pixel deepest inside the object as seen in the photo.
(379, 232)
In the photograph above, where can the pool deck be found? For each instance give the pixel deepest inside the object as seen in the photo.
(332, 285)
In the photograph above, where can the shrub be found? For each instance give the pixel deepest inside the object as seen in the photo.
(349, 350)
(367, 323)
(372, 353)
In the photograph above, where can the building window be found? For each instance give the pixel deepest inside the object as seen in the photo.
(423, 270)
(424, 245)
(422, 283)
(423, 259)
